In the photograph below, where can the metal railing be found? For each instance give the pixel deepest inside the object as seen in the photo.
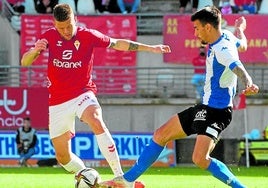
(146, 82)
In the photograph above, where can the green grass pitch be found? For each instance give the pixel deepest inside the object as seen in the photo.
(174, 177)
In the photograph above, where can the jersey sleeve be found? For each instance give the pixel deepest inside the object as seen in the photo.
(99, 39)
(47, 35)
(227, 54)
(233, 38)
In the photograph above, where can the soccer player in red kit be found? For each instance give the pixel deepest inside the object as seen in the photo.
(70, 85)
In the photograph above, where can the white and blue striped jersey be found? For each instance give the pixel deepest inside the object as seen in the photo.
(221, 82)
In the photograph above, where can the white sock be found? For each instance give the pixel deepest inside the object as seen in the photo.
(75, 165)
(109, 151)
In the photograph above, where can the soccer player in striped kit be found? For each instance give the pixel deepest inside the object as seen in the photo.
(210, 118)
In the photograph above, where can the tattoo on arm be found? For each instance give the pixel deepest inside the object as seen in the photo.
(243, 75)
(112, 45)
(133, 47)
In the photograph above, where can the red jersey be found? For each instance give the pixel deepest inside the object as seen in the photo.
(199, 64)
(70, 63)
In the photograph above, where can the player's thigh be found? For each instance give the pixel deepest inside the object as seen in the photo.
(169, 131)
(62, 118)
(88, 108)
(89, 111)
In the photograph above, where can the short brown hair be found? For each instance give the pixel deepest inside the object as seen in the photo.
(62, 12)
(27, 118)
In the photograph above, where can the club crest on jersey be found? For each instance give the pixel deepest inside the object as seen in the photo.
(76, 44)
(59, 43)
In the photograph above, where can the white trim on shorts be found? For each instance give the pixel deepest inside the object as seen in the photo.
(62, 116)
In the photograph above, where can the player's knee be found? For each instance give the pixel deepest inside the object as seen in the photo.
(63, 158)
(159, 138)
(97, 126)
(200, 161)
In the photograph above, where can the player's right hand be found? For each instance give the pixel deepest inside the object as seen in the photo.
(40, 45)
(161, 48)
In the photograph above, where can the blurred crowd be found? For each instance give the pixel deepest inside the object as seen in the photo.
(87, 7)
(226, 6)
(91, 7)
(81, 7)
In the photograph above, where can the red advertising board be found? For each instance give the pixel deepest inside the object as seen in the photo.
(17, 103)
(178, 32)
(119, 26)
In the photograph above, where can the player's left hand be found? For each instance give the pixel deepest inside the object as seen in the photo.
(252, 90)
(241, 23)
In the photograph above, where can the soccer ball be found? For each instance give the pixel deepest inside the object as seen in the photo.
(87, 178)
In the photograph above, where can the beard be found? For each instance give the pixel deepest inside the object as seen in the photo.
(204, 42)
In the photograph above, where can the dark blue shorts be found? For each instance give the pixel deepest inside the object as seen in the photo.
(204, 120)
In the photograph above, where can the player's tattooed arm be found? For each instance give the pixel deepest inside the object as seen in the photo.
(128, 45)
(133, 46)
(125, 45)
(241, 72)
(250, 87)
(112, 45)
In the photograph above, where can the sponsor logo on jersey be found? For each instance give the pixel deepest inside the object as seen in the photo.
(59, 43)
(215, 125)
(83, 100)
(201, 115)
(67, 64)
(67, 54)
(224, 48)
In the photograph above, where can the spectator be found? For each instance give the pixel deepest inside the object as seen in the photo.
(26, 140)
(112, 7)
(17, 5)
(183, 4)
(226, 7)
(106, 6)
(198, 78)
(101, 6)
(246, 6)
(128, 6)
(45, 6)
